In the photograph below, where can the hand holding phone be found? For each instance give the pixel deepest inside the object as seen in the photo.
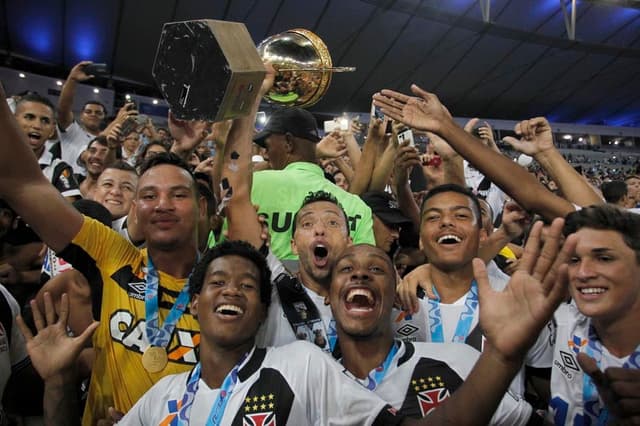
(96, 69)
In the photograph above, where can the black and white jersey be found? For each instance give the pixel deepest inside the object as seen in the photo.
(60, 174)
(277, 330)
(423, 375)
(416, 328)
(567, 379)
(296, 384)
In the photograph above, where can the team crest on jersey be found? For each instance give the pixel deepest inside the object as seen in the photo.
(431, 392)
(576, 343)
(259, 410)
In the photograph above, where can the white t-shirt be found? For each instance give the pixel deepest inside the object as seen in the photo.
(296, 384)
(567, 379)
(423, 375)
(415, 328)
(73, 140)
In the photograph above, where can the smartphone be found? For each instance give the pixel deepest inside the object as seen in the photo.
(330, 126)
(376, 113)
(96, 69)
(406, 135)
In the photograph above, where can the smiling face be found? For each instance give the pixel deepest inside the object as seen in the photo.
(36, 121)
(228, 306)
(116, 190)
(362, 291)
(92, 116)
(166, 207)
(604, 275)
(321, 234)
(96, 155)
(449, 233)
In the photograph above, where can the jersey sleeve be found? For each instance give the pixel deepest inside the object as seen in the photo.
(540, 355)
(103, 244)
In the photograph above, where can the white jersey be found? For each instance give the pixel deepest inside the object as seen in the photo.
(567, 379)
(416, 328)
(422, 376)
(277, 329)
(60, 174)
(73, 140)
(296, 384)
(493, 195)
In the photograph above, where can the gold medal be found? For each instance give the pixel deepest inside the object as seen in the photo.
(154, 359)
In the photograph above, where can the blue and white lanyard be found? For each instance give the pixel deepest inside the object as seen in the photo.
(464, 321)
(219, 405)
(592, 408)
(376, 376)
(160, 336)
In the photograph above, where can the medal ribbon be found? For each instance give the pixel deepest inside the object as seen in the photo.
(464, 321)
(376, 376)
(160, 336)
(597, 413)
(220, 404)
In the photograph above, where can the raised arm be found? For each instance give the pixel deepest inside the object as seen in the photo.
(65, 102)
(537, 141)
(425, 112)
(28, 192)
(370, 151)
(237, 173)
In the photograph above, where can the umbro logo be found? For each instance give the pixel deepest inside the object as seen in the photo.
(407, 330)
(137, 290)
(569, 361)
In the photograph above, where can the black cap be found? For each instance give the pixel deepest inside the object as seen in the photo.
(385, 207)
(296, 121)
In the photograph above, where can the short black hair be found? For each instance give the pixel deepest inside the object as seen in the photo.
(614, 191)
(452, 187)
(607, 217)
(314, 197)
(104, 108)
(37, 98)
(171, 159)
(102, 140)
(231, 248)
(122, 165)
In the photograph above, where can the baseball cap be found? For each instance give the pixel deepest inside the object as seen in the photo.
(299, 122)
(385, 207)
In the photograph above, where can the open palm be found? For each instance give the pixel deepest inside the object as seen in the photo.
(512, 319)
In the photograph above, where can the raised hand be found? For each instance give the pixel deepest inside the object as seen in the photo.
(331, 146)
(422, 112)
(512, 319)
(77, 72)
(535, 136)
(187, 134)
(51, 350)
(514, 219)
(406, 290)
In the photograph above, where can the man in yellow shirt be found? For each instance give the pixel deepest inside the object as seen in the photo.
(146, 331)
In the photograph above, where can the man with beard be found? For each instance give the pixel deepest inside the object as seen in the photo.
(319, 230)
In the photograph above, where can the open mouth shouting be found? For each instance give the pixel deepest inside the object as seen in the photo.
(359, 299)
(320, 255)
(449, 239)
(229, 311)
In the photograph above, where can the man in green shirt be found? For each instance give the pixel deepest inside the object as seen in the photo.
(290, 138)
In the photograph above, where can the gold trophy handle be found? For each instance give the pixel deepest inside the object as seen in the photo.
(332, 69)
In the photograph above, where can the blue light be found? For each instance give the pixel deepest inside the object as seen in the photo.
(40, 40)
(84, 46)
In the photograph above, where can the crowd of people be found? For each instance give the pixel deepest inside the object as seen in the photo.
(213, 274)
